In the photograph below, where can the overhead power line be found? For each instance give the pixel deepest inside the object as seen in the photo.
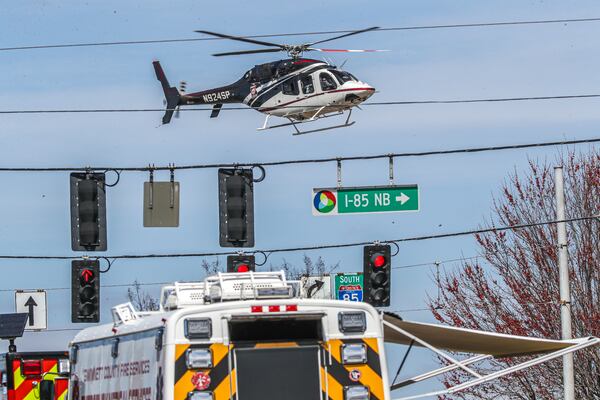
(389, 29)
(268, 252)
(309, 160)
(128, 285)
(245, 108)
(117, 285)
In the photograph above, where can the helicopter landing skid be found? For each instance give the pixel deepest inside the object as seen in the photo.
(315, 118)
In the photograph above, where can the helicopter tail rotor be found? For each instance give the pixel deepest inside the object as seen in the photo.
(172, 95)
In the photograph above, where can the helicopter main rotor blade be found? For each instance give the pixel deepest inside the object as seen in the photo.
(344, 50)
(237, 53)
(342, 36)
(241, 39)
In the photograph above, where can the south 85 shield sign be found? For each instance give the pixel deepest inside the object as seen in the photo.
(349, 286)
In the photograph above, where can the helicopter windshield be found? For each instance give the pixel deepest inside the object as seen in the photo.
(342, 76)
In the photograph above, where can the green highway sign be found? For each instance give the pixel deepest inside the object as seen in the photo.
(367, 199)
(348, 286)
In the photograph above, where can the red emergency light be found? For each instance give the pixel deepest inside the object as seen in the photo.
(31, 367)
(274, 308)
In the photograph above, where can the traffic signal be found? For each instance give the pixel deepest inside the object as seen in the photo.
(88, 211)
(85, 291)
(377, 272)
(241, 263)
(236, 207)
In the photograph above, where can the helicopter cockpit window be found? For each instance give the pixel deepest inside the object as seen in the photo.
(342, 76)
(289, 87)
(327, 82)
(307, 84)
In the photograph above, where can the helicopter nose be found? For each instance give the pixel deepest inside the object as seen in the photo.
(360, 94)
(367, 92)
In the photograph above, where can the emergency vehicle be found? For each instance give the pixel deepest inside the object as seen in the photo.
(255, 336)
(22, 372)
(240, 336)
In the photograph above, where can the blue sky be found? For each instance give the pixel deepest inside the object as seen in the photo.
(456, 191)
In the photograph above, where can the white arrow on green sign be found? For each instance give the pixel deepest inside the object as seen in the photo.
(367, 199)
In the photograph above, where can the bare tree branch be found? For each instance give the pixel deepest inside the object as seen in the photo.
(513, 287)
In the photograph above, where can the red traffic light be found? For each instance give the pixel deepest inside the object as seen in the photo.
(242, 268)
(378, 260)
(241, 263)
(377, 270)
(87, 275)
(85, 291)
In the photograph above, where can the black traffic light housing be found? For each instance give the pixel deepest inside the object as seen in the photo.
(241, 263)
(88, 211)
(85, 291)
(377, 270)
(236, 207)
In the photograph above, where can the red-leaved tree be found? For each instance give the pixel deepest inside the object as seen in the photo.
(513, 287)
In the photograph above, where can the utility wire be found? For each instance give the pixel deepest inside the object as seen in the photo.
(401, 28)
(307, 248)
(241, 108)
(307, 161)
(118, 285)
(436, 263)
(121, 285)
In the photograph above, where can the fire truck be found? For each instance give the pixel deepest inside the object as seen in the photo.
(255, 336)
(22, 374)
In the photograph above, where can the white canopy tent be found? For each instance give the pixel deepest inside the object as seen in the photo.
(438, 338)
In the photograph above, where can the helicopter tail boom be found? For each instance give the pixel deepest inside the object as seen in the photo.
(172, 95)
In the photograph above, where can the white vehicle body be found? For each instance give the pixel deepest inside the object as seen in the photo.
(234, 336)
(246, 336)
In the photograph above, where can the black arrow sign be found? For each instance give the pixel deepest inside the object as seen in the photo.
(314, 288)
(31, 303)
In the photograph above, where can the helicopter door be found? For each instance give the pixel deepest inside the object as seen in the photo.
(308, 87)
(290, 87)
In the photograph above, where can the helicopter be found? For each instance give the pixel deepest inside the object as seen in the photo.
(298, 89)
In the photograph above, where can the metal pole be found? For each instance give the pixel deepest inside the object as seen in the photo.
(565, 292)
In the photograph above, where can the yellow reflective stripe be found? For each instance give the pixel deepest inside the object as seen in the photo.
(335, 389)
(336, 346)
(32, 395)
(372, 343)
(180, 349)
(226, 388)
(219, 351)
(65, 388)
(184, 385)
(323, 377)
(18, 378)
(233, 378)
(275, 345)
(52, 375)
(368, 377)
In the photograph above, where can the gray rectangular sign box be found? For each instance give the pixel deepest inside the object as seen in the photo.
(161, 204)
(12, 325)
